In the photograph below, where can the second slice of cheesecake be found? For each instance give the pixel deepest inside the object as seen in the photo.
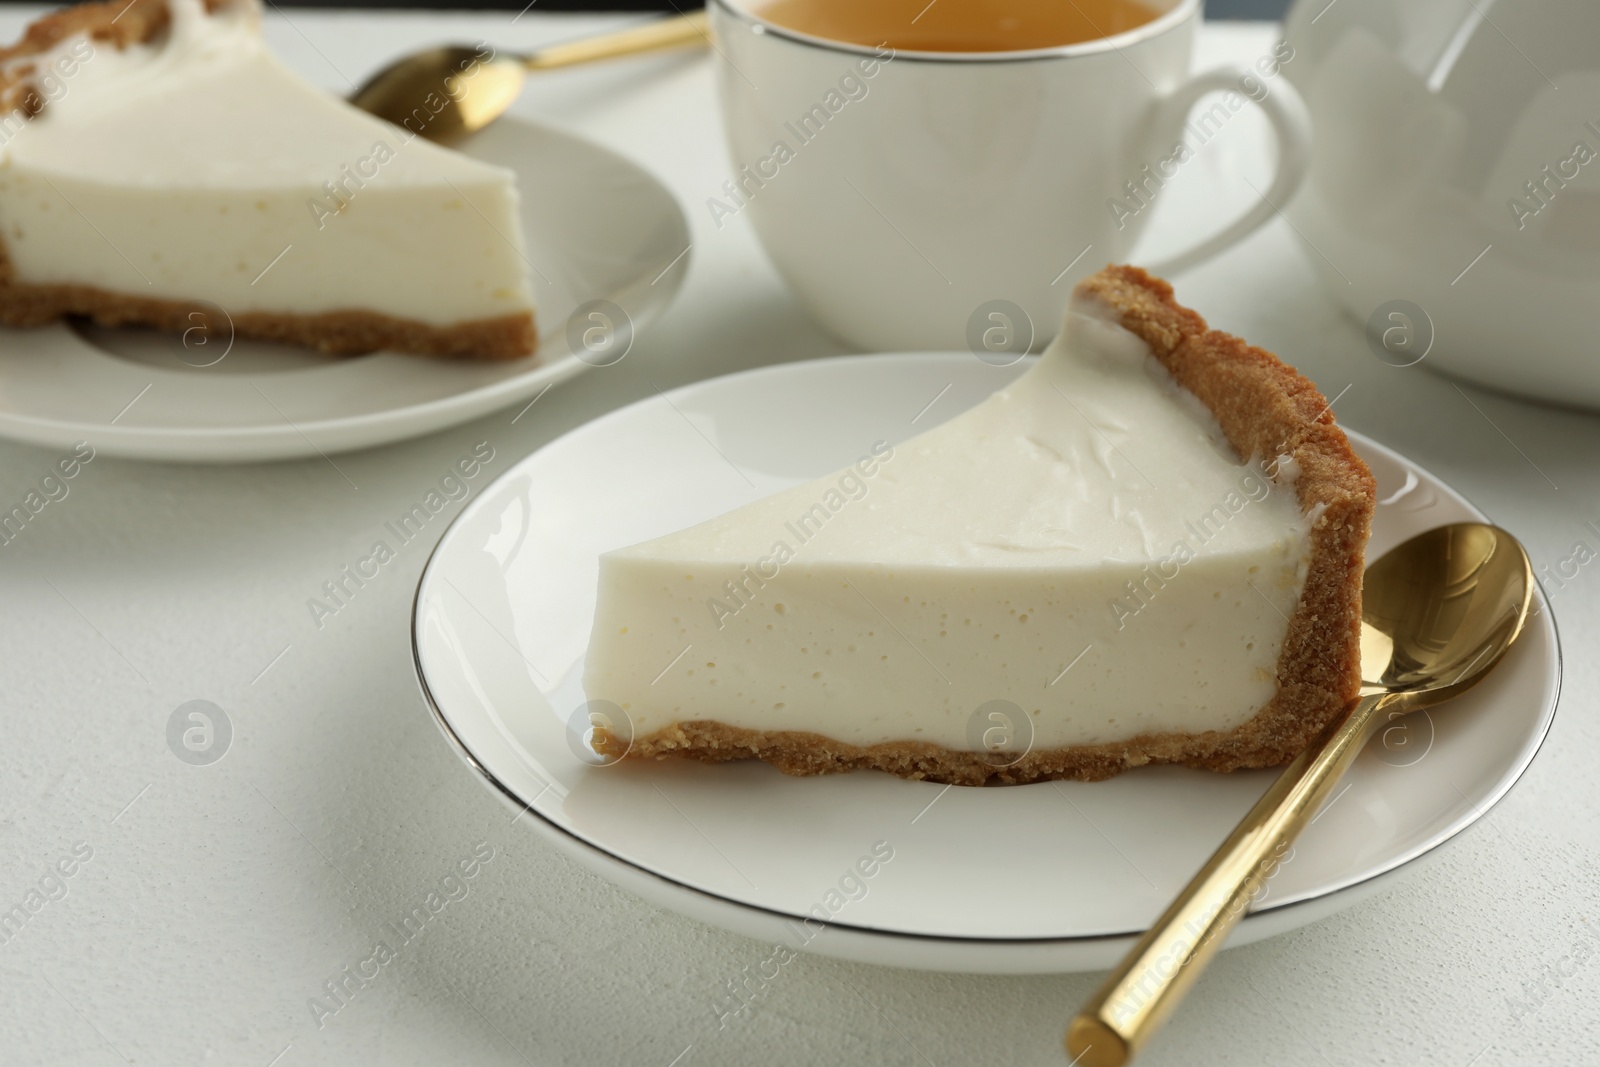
(159, 166)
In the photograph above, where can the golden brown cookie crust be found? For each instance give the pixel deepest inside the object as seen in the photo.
(1265, 409)
(344, 333)
(120, 23)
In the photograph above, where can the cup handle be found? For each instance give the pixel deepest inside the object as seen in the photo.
(1291, 122)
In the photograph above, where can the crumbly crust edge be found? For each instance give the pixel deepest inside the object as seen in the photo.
(343, 332)
(1265, 409)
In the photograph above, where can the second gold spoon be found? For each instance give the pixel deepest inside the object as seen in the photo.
(448, 92)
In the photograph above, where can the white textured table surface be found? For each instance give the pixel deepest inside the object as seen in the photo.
(217, 900)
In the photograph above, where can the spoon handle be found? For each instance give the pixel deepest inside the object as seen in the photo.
(663, 33)
(1138, 996)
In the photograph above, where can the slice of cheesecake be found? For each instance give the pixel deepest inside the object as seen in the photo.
(1147, 549)
(160, 167)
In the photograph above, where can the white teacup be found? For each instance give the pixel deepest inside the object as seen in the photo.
(937, 200)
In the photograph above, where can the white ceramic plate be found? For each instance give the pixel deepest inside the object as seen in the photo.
(596, 227)
(1026, 879)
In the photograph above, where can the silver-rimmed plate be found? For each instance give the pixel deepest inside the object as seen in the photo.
(601, 234)
(1041, 878)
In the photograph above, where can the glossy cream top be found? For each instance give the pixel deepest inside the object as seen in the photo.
(209, 104)
(1093, 457)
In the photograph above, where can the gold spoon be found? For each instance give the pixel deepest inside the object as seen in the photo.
(448, 92)
(1437, 613)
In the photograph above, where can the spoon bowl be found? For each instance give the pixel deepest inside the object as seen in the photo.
(1451, 601)
(443, 93)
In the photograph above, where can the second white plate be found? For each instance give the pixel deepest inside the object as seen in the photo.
(596, 227)
(1037, 878)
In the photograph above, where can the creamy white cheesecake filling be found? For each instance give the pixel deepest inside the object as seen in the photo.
(1083, 545)
(199, 167)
